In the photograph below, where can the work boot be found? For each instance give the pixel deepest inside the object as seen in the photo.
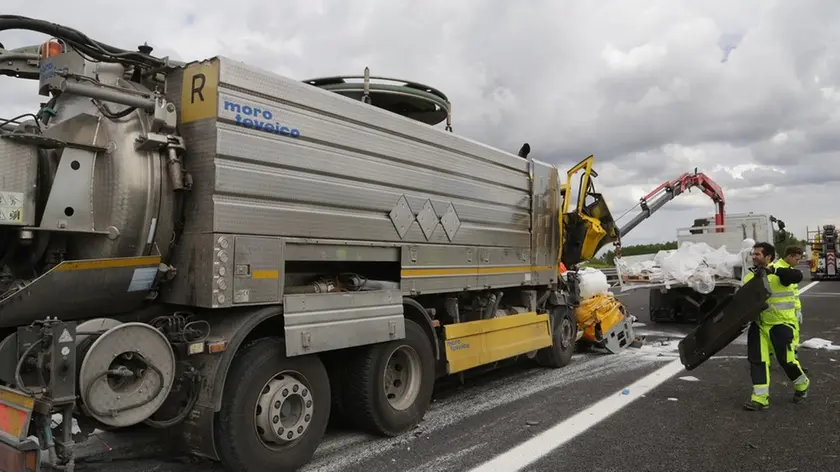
(752, 405)
(800, 396)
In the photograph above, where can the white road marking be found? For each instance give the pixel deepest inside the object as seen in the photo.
(530, 451)
(808, 287)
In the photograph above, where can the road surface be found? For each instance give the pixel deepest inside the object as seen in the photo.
(636, 411)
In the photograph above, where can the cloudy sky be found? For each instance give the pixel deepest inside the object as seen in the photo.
(745, 91)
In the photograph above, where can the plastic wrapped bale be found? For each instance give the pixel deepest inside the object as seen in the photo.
(599, 314)
(592, 282)
(697, 265)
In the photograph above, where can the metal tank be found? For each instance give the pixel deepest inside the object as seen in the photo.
(90, 189)
(98, 182)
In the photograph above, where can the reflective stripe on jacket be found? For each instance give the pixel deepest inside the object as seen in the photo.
(795, 287)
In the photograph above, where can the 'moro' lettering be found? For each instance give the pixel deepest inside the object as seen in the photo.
(253, 117)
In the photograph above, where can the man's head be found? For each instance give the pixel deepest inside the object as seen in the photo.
(763, 254)
(793, 255)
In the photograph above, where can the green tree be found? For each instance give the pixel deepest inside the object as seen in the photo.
(789, 240)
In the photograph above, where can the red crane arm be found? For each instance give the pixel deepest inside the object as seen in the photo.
(671, 189)
(704, 183)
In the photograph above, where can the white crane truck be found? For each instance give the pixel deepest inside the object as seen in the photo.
(213, 248)
(675, 301)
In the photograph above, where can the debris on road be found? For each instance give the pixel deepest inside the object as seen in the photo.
(663, 348)
(689, 378)
(820, 343)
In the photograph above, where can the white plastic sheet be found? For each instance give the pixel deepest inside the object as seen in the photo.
(592, 282)
(696, 265)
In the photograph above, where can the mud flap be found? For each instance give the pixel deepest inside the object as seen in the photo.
(725, 323)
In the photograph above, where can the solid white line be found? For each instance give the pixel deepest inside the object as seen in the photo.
(540, 445)
(532, 450)
(808, 287)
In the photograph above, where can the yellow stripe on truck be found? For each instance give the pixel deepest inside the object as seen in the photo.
(90, 264)
(482, 342)
(443, 272)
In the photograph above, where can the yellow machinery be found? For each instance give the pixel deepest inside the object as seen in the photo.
(590, 226)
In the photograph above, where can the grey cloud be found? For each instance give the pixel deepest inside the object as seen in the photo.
(639, 83)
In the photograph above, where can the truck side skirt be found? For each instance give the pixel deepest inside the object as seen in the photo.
(476, 343)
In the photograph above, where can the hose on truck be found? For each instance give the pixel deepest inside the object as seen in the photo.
(182, 330)
(193, 395)
(123, 372)
(19, 367)
(81, 42)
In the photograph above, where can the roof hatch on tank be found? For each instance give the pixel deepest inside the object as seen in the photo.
(409, 99)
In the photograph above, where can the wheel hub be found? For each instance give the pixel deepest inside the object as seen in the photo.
(284, 410)
(402, 378)
(566, 332)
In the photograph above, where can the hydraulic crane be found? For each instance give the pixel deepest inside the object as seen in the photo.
(669, 190)
(682, 302)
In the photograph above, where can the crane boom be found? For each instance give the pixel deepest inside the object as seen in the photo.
(669, 190)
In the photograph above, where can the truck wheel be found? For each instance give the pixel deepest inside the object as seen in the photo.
(564, 333)
(388, 386)
(274, 409)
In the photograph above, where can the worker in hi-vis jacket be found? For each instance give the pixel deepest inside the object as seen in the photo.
(775, 330)
(793, 256)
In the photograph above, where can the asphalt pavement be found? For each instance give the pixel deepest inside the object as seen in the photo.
(635, 411)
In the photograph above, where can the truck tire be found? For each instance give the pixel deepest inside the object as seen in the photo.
(564, 332)
(274, 409)
(388, 386)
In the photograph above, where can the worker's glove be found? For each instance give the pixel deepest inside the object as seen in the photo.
(799, 316)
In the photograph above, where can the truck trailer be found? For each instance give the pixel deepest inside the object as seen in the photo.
(211, 248)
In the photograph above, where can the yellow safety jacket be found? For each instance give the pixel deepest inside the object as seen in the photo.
(782, 303)
(783, 263)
